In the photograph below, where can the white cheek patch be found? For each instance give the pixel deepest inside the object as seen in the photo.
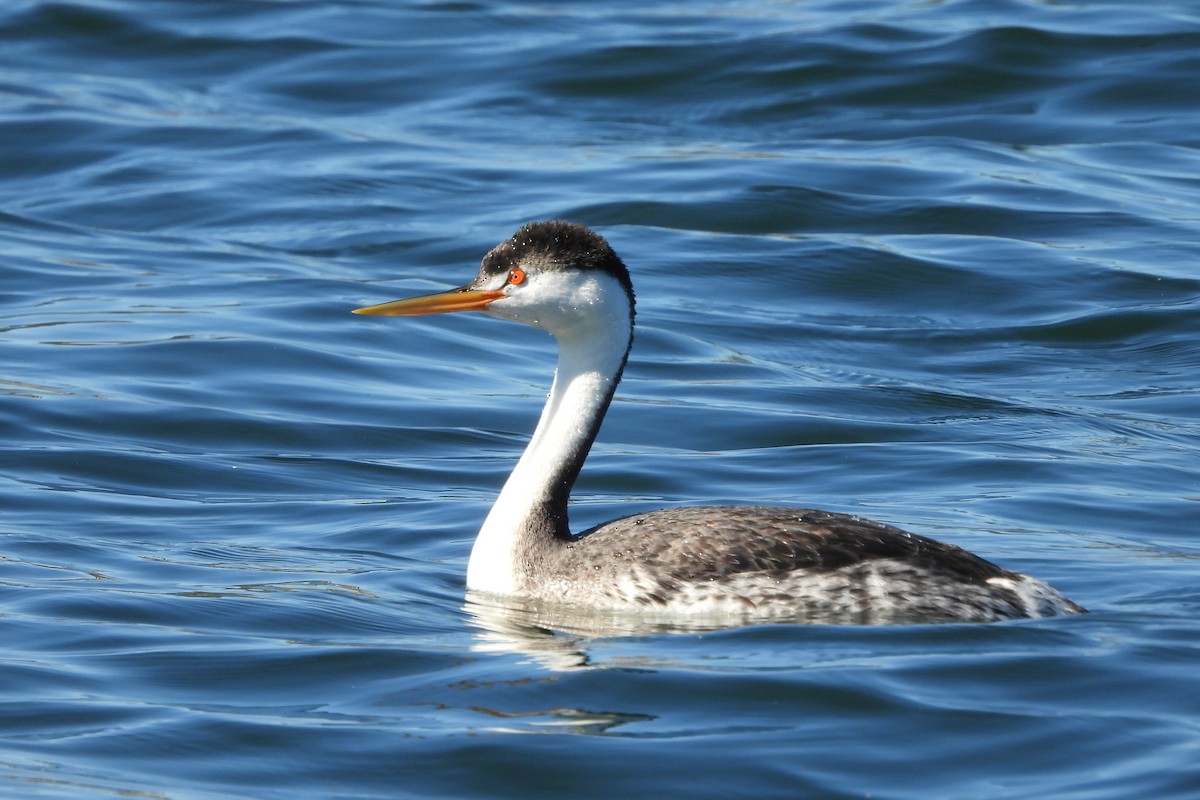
(555, 300)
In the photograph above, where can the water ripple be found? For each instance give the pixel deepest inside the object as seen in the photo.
(932, 263)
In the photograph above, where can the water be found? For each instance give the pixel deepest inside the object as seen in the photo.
(934, 263)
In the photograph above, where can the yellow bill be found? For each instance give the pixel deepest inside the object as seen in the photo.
(463, 299)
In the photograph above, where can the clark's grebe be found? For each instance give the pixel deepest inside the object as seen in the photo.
(740, 562)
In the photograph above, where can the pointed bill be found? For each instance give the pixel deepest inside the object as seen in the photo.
(463, 299)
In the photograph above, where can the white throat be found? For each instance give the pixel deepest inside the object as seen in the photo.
(593, 329)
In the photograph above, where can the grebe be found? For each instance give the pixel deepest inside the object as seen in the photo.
(736, 562)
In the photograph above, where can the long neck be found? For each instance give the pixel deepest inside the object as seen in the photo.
(530, 515)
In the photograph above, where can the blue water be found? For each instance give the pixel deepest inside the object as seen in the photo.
(937, 264)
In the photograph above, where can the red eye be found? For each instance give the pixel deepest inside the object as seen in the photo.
(516, 276)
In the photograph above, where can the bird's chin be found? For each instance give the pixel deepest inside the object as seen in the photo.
(500, 310)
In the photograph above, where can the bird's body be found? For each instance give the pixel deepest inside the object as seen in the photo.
(738, 562)
(766, 563)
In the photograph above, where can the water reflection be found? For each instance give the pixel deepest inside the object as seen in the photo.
(561, 637)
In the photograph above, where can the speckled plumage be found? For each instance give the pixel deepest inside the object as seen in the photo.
(733, 563)
(781, 563)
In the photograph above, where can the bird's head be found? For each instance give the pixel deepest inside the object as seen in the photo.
(554, 275)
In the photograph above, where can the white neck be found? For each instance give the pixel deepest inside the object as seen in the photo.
(592, 350)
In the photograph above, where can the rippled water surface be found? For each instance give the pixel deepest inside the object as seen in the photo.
(936, 263)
